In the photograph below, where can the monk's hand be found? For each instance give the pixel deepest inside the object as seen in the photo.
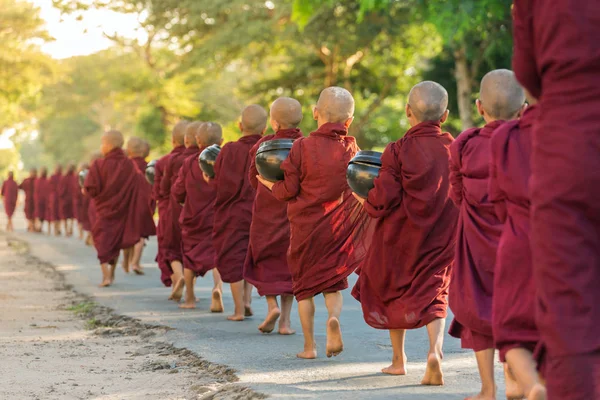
(206, 177)
(361, 200)
(265, 182)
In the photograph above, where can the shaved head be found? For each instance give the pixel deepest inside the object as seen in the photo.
(335, 105)
(146, 149)
(500, 94)
(209, 133)
(178, 134)
(113, 138)
(135, 147)
(287, 112)
(190, 133)
(428, 101)
(254, 120)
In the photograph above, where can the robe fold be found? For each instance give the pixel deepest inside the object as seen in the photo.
(478, 234)
(41, 192)
(162, 204)
(28, 186)
(84, 217)
(403, 282)
(66, 186)
(233, 207)
(53, 213)
(557, 58)
(148, 227)
(10, 193)
(114, 184)
(327, 224)
(172, 230)
(197, 216)
(266, 264)
(513, 304)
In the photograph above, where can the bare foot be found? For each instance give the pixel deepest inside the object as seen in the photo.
(268, 324)
(177, 292)
(433, 373)
(286, 330)
(537, 393)
(248, 311)
(513, 390)
(188, 306)
(105, 283)
(481, 396)
(308, 354)
(335, 345)
(235, 318)
(394, 370)
(216, 305)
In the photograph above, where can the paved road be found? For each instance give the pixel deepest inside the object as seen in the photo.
(266, 362)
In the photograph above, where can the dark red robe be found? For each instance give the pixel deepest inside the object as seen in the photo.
(266, 264)
(557, 58)
(325, 219)
(197, 215)
(149, 227)
(84, 217)
(171, 229)
(162, 203)
(41, 192)
(28, 186)
(233, 207)
(53, 213)
(114, 184)
(478, 234)
(513, 315)
(10, 193)
(66, 185)
(404, 280)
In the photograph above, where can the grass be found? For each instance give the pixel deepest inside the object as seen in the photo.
(83, 308)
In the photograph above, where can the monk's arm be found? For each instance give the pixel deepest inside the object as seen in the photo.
(179, 187)
(252, 171)
(456, 186)
(496, 196)
(289, 187)
(157, 180)
(524, 63)
(92, 181)
(165, 182)
(386, 194)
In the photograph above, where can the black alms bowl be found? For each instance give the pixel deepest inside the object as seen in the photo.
(362, 171)
(269, 157)
(207, 159)
(150, 171)
(82, 175)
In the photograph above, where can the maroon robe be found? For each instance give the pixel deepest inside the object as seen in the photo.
(557, 58)
(513, 305)
(28, 186)
(10, 193)
(325, 219)
(478, 234)
(162, 204)
(114, 184)
(197, 215)
(266, 264)
(148, 227)
(66, 185)
(41, 193)
(172, 230)
(84, 217)
(53, 213)
(233, 207)
(404, 280)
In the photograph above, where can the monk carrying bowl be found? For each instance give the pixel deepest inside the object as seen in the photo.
(269, 157)
(207, 159)
(362, 171)
(150, 171)
(82, 175)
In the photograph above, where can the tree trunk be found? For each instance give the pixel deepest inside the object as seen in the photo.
(464, 85)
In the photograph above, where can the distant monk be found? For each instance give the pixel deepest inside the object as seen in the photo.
(233, 208)
(513, 317)
(557, 58)
(92, 215)
(10, 193)
(500, 99)
(54, 201)
(404, 281)
(41, 193)
(115, 185)
(28, 186)
(326, 244)
(82, 203)
(66, 187)
(197, 216)
(266, 264)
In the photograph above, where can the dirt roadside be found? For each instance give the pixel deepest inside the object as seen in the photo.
(58, 344)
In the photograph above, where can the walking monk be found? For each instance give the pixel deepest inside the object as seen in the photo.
(471, 288)
(266, 265)
(557, 58)
(28, 186)
(41, 193)
(513, 316)
(82, 203)
(403, 283)
(115, 185)
(10, 193)
(197, 216)
(53, 214)
(233, 208)
(326, 241)
(66, 187)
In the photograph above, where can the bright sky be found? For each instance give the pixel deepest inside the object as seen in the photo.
(74, 38)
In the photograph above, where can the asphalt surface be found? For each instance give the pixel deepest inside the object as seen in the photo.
(266, 363)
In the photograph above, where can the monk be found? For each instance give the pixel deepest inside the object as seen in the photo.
(197, 216)
(326, 221)
(10, 193)
(81, 203)
(92, 215)
(66, 186)
(114, 184)
(513, 317)
(404, 280)
(501, 99)
(557, 58)
(171, 230)
(266, 264)
(233, 208)
(40, 197)
(53, 200)
(28, 186)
